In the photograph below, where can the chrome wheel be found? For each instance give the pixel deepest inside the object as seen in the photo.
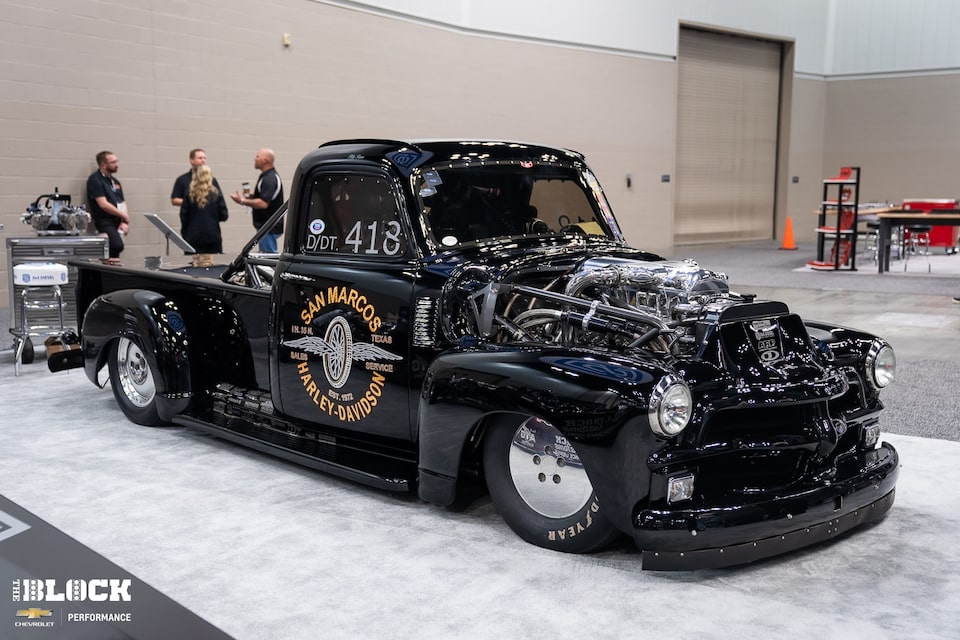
(539, 486)
(546, 470)
(133, 374)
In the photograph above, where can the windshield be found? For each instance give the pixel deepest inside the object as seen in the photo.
(469, 202)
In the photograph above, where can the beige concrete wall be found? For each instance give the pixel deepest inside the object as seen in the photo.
(805, 161)
(903, 131)
(149, 80)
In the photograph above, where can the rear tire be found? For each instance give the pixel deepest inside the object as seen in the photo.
(540, 488)
(132, 381)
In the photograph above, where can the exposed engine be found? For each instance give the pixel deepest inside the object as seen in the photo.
(52, 214)
(610, 302)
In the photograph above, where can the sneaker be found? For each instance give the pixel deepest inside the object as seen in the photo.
(956, 299)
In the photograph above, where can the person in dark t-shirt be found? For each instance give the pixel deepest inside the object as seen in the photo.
(266, 199)
(108, 207)
(181, 188)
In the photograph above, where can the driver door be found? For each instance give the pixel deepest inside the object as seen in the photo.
(342, 357)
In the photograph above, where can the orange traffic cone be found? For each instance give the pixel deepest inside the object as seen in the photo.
(788, 242)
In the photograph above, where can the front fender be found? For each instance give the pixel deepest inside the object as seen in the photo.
(156, 324)
(586, 395)
(849, 349)
(845, 344)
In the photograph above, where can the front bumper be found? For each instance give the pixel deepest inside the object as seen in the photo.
(721, 535)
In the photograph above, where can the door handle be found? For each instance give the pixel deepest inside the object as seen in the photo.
(286, 275)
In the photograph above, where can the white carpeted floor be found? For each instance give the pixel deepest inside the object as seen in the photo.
(265, 550)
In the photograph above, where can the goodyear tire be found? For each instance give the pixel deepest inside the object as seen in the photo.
(132, 381)
(540, 488)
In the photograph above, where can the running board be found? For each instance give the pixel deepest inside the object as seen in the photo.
(253, 437)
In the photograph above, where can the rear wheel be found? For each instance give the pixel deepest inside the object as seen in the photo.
(132, 380)
(540, 488)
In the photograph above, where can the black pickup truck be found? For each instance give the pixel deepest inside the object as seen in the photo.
(446, 311)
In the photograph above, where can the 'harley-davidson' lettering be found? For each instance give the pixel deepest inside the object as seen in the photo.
(343, 412)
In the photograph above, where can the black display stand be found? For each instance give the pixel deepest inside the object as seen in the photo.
(840, 206)
(169, 233)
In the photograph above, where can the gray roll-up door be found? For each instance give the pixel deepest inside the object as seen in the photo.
(727, 121)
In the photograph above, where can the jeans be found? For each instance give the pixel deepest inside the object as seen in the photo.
(268, 243)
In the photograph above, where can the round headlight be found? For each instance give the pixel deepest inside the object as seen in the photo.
(881, 365)
(671, 405)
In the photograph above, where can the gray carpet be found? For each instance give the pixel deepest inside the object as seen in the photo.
(765, 264)
(264, 549)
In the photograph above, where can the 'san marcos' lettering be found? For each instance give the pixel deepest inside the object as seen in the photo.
(342, 295)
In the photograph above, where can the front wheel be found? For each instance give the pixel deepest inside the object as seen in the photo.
(540, 488)
(132, 381)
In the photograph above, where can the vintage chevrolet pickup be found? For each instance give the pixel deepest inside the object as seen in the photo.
(450, 310)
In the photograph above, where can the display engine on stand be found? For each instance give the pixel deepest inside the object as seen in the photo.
(53, 215)
(37, 266)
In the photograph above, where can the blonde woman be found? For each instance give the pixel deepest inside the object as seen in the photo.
(202, 211)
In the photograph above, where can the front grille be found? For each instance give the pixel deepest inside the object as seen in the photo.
(762, 448)
(763, 424)
(751, 471)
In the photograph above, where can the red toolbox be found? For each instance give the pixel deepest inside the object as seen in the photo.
(942, 235)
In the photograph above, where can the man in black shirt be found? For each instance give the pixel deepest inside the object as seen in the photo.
(266, 199)
(108, 207)
(181, 188)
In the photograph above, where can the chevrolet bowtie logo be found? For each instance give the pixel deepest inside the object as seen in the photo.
(34, 613)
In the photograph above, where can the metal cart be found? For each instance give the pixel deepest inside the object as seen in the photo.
(43, 313)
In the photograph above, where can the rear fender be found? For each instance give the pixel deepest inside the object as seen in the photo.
(586, 396)
(155, 323)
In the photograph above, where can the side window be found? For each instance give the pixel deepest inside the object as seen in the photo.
(355, 215)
